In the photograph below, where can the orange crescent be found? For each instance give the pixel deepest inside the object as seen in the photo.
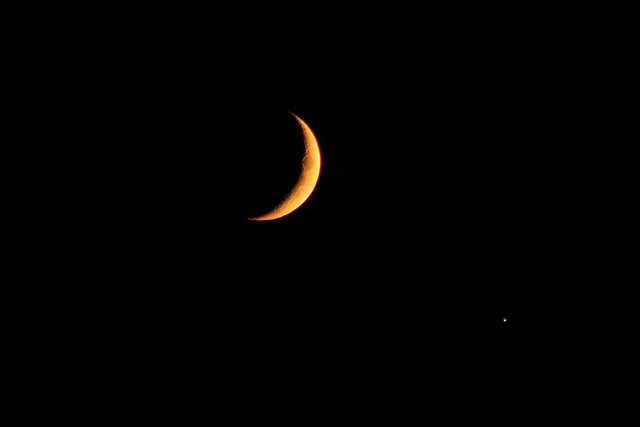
(306, 181)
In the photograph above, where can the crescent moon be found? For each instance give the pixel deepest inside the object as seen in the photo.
(307, 180)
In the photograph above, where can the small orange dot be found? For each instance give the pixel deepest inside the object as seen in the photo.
(504, 320)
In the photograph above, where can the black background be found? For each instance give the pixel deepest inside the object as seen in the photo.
(478, 162)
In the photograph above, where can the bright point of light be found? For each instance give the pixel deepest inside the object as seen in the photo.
(504, 320)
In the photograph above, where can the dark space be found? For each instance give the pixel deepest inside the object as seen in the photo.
(477, 163)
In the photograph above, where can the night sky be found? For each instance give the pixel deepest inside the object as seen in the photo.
(478, 163)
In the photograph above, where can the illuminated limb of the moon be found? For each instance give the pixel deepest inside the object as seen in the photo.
(306, 181)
